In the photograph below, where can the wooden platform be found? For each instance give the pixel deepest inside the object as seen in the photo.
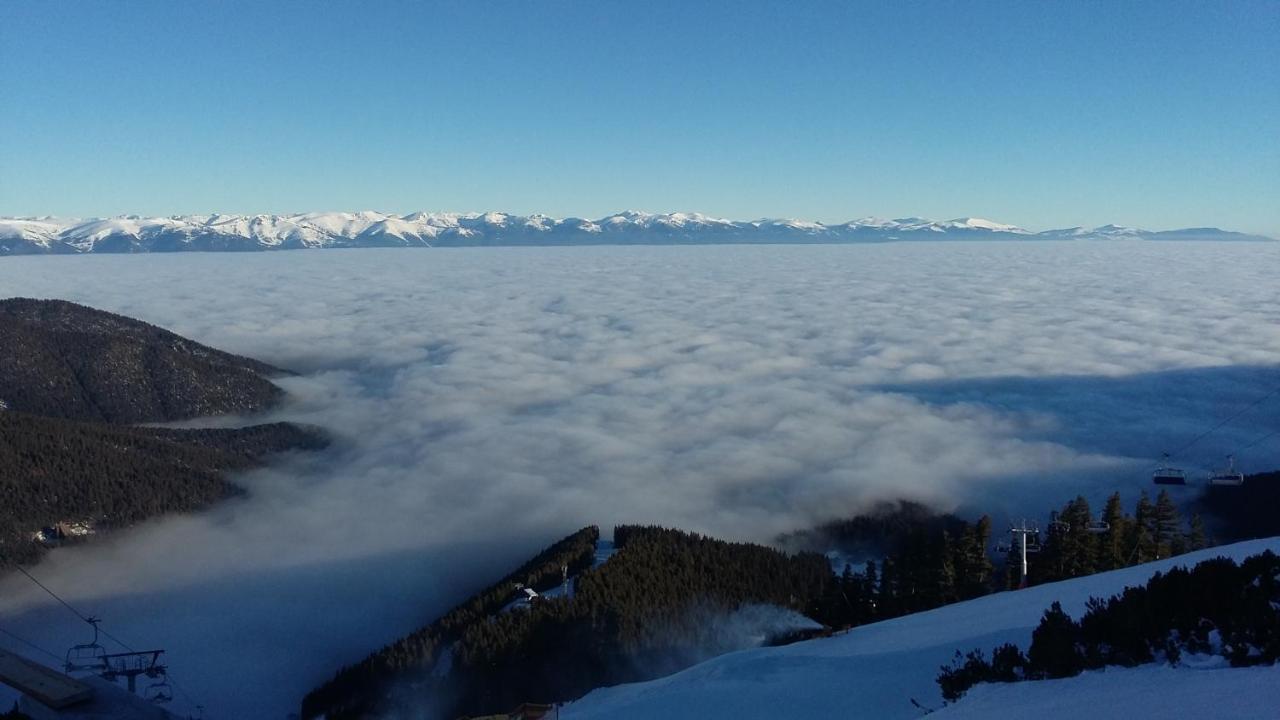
(42, 683)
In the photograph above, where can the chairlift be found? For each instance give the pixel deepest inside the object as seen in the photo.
(1057, 525)
(1033, 543)
(1228, 476)
(1166, 474)
(87, 657)
(1098, 526)
(159, 692)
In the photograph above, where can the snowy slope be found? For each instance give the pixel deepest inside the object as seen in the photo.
(1151, 691)
(218, 232)
(876, 670)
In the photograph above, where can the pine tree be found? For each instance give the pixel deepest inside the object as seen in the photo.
(887, 598)
(1054, 649)
(974, 567)
(1142, 532)
(1196, 538)
(1166, 525)
(1079, 545)
(945, 591)
(1114, 546)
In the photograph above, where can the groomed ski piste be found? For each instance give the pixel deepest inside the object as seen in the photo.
(876, 671)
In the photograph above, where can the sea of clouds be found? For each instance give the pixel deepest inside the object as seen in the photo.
(486, 401)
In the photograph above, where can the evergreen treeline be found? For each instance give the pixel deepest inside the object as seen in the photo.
(1218, 607)
(941, 560)
(1077, 544)
(357, 690)
(640, 615)
(643, 613)
(54, 470)
(60, 359)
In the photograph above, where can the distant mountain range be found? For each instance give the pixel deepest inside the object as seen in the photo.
(375, 229)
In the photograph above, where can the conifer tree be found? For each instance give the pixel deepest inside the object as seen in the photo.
(1142, 535)
(1054, 649)
(1166, 525)
(945, 591)
(1079, 545)
(975, 565)
(1113, 546)
(1197, 539)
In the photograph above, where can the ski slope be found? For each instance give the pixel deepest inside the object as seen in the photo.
(875, 671)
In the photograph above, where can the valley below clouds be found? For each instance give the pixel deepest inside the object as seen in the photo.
(485, 401)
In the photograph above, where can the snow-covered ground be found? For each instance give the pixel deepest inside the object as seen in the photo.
(1151, 691)
(875, 671)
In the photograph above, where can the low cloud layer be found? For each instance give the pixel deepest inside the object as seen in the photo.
(486, 399)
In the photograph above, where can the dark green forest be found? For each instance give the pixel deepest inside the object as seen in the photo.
(636, 616)
(379, 679)
(54, 471)
(1078, 543)
(643, 614)
(74, 380)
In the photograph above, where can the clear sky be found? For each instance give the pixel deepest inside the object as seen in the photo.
(1045, 114)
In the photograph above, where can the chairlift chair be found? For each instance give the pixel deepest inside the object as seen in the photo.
(1058, 525)
(1228, 476)
(159, 692)
(1098, 526)
(87, 657)
(1166, 474)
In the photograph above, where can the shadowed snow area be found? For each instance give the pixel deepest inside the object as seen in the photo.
(487, 401)
(875, 671)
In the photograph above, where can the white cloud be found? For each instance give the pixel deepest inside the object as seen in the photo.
(485, 399)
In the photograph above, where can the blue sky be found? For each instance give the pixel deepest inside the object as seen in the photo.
(1162, 114)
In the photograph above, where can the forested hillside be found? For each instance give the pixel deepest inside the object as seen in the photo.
(651, 609)
(103, 477)
(639, 615)
(884, 529)
(401, 671)
(72, 381)
(60, 359)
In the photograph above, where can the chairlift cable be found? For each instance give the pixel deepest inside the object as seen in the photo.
(54, 595)
(1223, 422)
(97, 625)
(1255, 442)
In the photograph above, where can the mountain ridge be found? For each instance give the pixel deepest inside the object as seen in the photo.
(60, 359)
(221, 232)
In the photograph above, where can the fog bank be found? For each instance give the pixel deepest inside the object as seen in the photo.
(485, 401)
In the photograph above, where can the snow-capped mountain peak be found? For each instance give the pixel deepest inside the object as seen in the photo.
(218, 231)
